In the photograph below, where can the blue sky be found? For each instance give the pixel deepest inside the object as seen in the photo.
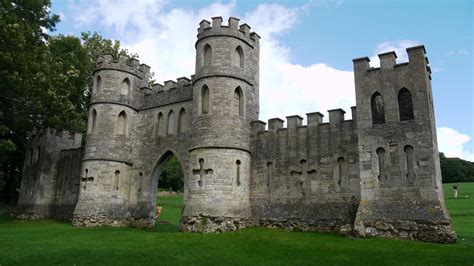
(306, 49)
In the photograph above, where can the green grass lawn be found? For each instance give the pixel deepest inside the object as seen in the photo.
(53, 242)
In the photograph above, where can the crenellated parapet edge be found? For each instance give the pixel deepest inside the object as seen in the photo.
(232, 29)
(170, 85)
(416, 56)
(314, 119)
(52, 133)
(123, 63)
(172, 91)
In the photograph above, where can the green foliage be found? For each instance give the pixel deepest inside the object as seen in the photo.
(68, 75)
(58, 243)
(171, 175)
(45, 81)
(456, 170)
(24, 82)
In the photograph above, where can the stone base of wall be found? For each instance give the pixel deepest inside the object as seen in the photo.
(32, 212)
(103, 220)
(301, 225)
(38, 212)
(208, 224)
(29, 216)
(439, 232)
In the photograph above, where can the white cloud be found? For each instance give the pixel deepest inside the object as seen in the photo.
(164, 39)
(399, 46)
(168, 46)
(122, 15)
(292, 89)
(272, 19)
(453, 143)
(459, 52)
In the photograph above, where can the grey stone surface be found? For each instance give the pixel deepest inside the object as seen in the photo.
(375, 175)
(50, 184)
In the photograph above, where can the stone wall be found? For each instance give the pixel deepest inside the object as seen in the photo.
(172, 92)
(305, 177)
(68, 183)
(43, 174)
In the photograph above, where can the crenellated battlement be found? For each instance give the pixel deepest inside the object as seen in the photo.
(231, 29)
(416, 57)
(314, 119)
(123, 63)
(169, 93)
(51, 133)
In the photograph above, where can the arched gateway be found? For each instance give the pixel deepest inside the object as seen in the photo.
(319, 176)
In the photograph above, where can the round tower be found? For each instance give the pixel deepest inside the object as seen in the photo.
(225, 101)
(108, 157)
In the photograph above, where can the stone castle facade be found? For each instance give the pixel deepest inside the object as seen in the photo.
(375, 175)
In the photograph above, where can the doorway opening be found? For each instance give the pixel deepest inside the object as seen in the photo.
(169, 186)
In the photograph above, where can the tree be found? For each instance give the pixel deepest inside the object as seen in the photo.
(6, 147)
(171, 175)
(44, 81)
(68, 72)
(23, 27)
(456, 170)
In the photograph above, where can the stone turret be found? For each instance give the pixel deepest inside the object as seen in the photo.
(108, 156)
(400, 177)
(225, 101)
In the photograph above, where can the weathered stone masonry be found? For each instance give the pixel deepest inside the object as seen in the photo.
(375, 175)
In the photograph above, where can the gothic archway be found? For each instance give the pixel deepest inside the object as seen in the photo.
(167, 194)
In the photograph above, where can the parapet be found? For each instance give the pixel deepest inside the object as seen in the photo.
(232, 29)
(275, 124)
(123, 63)
(183, 81)
(315, 119)
(294, 121)
(336, 116)
(171, 92)
(51, 133)
(388, 60)
(257, 126)
(170, 84)
(157, 87)
(416, 56)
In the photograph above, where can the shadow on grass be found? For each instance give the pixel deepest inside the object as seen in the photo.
(166, 227)
(5, 211)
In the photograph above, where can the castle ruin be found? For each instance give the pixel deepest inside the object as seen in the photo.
(375, 175)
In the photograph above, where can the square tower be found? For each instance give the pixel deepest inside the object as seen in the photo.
(400, 176)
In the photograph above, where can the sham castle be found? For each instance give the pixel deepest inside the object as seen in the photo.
(375, 175)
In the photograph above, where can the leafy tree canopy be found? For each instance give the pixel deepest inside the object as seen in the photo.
(45, 80)
(456, 170)
(171, 175)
